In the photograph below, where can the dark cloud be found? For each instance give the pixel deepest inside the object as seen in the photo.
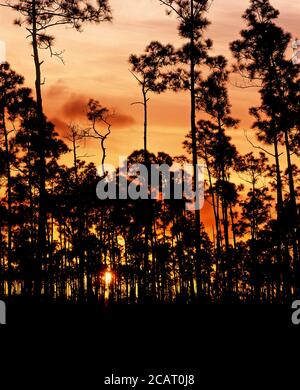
(75, 107)
(57, 90)
(60, 126)
(120, 121)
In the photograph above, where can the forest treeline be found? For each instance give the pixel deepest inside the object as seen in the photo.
(59, 242)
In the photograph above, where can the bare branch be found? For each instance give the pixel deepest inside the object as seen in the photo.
(259, 147)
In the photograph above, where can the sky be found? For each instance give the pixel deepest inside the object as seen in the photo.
(96, 66)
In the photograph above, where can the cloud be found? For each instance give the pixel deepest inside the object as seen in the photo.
(57, 90)
(60, 126)
(121, 121)
(75, 107)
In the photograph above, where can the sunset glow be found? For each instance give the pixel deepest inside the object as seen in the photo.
(105, 102)
(96, 66)
(149, 189)
(108, 277)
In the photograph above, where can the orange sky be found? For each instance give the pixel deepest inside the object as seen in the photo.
(96, 67)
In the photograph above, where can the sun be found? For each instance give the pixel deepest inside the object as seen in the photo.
(108, 277)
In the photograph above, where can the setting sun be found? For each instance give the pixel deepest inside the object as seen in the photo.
(108, 277)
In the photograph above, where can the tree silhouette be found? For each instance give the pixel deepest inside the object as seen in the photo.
(260, 55)
(60, 243)
(9, 98)
(150, 70)
(38, 17)
(192, 26)
(98, 115)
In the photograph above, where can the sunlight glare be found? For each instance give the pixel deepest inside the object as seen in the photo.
(108, 277)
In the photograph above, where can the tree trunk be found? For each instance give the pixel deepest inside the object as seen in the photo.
(194, 153)
(42, 218)
(9, 205)
(293, 214)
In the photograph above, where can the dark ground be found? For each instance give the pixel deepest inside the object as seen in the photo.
(247, 346)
